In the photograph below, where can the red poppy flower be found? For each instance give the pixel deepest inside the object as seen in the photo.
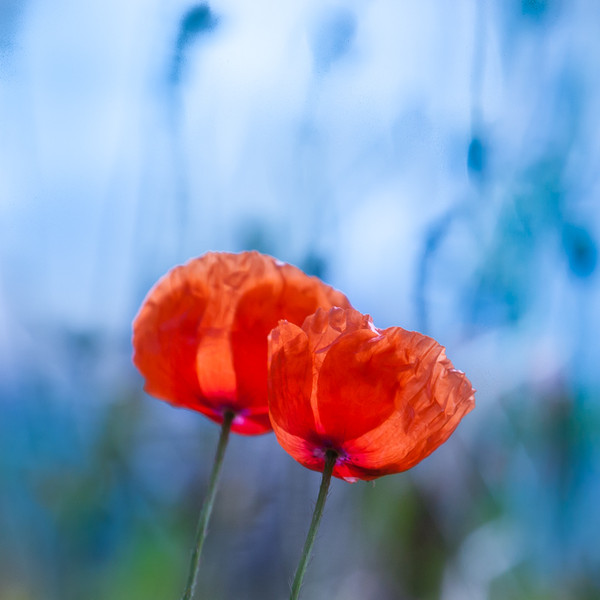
(200, 337)
(383, 400)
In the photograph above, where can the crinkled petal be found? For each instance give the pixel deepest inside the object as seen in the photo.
(290, 382)
(429, 406)
(356, 385)
(326, 326)
(165, 337)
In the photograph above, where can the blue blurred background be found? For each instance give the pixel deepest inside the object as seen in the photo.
(437, 161)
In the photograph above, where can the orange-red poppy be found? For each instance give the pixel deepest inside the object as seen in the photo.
(200, 337)
(383, 400)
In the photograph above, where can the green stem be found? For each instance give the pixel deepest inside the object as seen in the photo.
(207, 506)
(330, 461)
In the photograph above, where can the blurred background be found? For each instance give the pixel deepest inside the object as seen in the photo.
(437, 161)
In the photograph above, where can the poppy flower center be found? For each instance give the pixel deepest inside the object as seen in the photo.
(237, 414)
(325, 450)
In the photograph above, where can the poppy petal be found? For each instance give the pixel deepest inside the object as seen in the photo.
(356, 386)
(290, 381)
(430, 405)
(165, 334)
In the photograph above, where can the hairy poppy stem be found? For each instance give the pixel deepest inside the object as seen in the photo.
(207, 506)
(330, 460)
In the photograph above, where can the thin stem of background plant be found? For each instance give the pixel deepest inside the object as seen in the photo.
(330, 460)
(207, 506)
